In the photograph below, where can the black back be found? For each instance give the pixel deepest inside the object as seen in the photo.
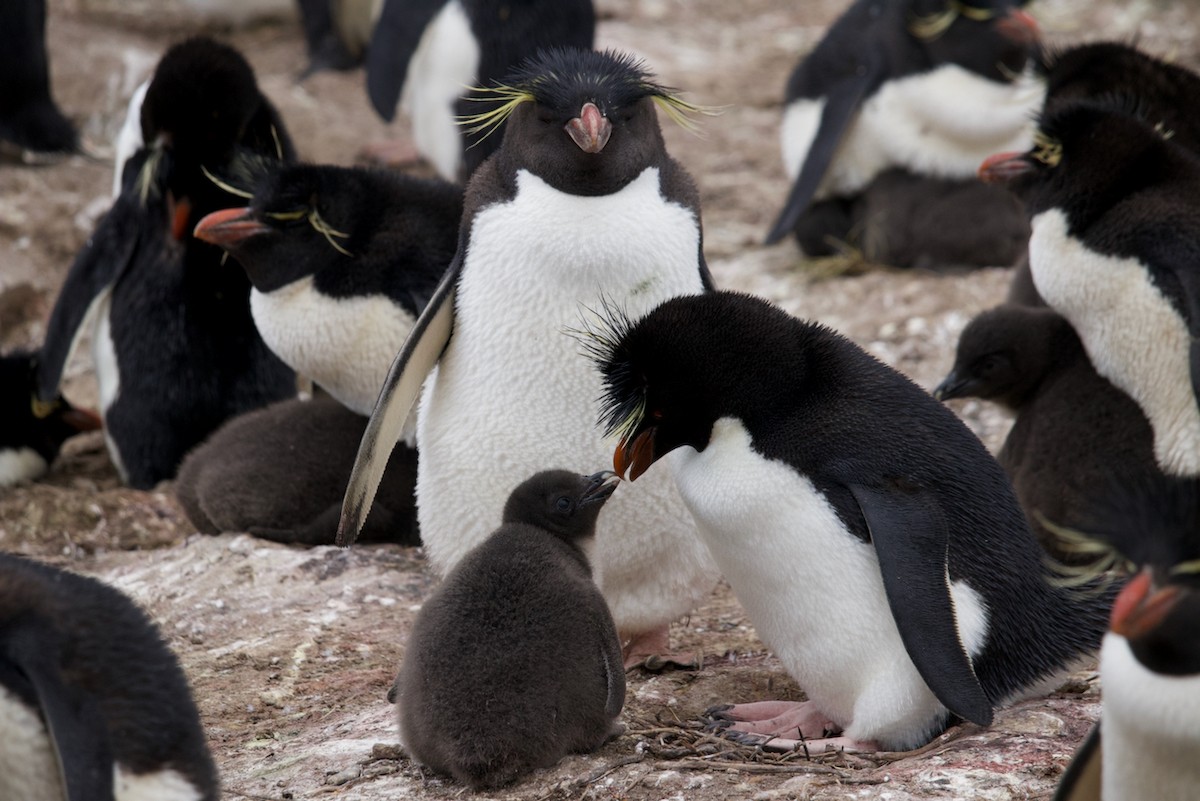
(25, 423)
(28, 114)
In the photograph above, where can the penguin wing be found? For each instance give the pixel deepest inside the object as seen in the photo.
(911, 541)
(841, 106)
(76, 729)
(400, 389)
(1081, 782)
(397, 33)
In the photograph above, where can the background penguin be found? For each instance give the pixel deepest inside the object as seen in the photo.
(424, 52)
(29, 117)
(279, 473)
(514, 661)
(336, 32)
(93, 704)
(341, 261)
(1147, 739)
(32, 432)
(924, 85)
(580, 206)
(1115, 232)
(819, 476)
(1074, 432)
(174, 345)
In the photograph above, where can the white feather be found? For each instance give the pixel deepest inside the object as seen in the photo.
(161, 785)
(129, 138)
(28, 765)
(108, 372)
(20, 464)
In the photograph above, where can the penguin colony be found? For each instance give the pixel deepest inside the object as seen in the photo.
(556, 311)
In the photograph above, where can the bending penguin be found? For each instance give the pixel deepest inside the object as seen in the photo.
(816, 473)
(580, 206)
(514, 661)
(93, 705)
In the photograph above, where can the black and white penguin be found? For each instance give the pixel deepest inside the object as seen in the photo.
(1115, 231)
(341, 260)
(580, 206)
(425, 53)
(174, 343)
(279, 473)
(29, 117)
(929, 86)
(336, 32)
(514, 661)
(1146, 743)
(1074, 431)
(31, 432)
(818, 475)
(93, 704)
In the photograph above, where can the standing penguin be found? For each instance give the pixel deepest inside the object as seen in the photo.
(29, 117)
(580, 206)
(514, 661)
(93, 703)
(424, 52)
(930, 86)
(174, 344)
(1115, 236)
(816, 473)
(341, 260)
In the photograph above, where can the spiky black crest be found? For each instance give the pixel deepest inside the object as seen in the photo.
(1086, 115)
(604, 334)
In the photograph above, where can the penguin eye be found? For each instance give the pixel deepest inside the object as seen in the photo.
(563, 504)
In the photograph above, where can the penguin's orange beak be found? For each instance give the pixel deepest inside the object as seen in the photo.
(635, 457)
(1139, 608)
(1020, 27)
(228, 227)
(590, 130)
(1000, 168)
(82, 419)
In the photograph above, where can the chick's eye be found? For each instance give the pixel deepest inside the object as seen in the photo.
(563, 504)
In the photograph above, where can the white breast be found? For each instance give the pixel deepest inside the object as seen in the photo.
(28, 765)
(941, 123)
(108, 373)
(345, 345)
(514, 394)
(813, 590)
(1132, 334)
(129, 138)
(20, 464)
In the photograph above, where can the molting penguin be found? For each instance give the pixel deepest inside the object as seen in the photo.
(174, 344)
(1115, 232)
(580, 206)
(1074, 433)
(29, 117)
(815, 472)
(93, 705)
(342, 261)
(31, 432)
(514, 661)
(929, 86)
(279, 473)
(423, 52)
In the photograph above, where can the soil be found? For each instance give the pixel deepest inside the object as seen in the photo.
(290, 651)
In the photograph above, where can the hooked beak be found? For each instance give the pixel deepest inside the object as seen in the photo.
(590, 130)
(229, 227)
(600, 487)
(951, 387)
(1020, 27)
(635, 457)
(1000, 168)
(1140, 608)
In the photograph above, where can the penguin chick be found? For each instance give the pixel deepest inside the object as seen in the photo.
(31, 432)
(278, 473)
(93, 705)
(29, 117)
(514, 661)
(815, 472)
(342, 260)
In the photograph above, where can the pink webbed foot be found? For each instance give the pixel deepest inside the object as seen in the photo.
(652, 650)
(781, 726)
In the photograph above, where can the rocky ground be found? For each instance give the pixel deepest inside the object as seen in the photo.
(290, 651)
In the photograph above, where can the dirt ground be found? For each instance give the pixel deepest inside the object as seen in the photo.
(290, 651)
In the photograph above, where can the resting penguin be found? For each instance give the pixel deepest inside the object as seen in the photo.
(29, 117)
(929, 86)
(423, 53)
(514, 661)
(174, 345)
(341, 260)
(93, 705)
(580, 206)
(31, 432)
(1146, 743)
(1115, 234)
(819, 476)
(1074, 432)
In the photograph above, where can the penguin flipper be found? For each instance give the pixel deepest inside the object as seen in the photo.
(841, 105)
(400, 389)
(77, 732)
(1082, 779)
(911, 541)
(397, 33)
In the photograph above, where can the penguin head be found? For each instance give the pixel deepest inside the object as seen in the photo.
(42, 426)
(582, 121)
(561, 502)
(992, 38)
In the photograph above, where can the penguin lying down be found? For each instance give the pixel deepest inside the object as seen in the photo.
(820, 473)
(93, 705)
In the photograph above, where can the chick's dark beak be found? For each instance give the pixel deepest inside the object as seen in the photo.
(1140, 608)
(590, 130)
(1000, 168)
(951, 387)
(228, 227)
(635, 457)
(599, 487)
